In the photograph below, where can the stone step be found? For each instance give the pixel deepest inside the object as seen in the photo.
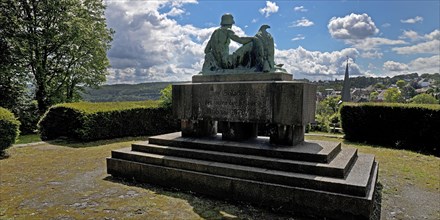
(291, 199)
(355, 184)
(338, 167)
(316, 151)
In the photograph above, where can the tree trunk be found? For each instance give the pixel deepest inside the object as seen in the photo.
(41, 93)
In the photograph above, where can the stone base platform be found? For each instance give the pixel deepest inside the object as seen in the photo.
(315, 178)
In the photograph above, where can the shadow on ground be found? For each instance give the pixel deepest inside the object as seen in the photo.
(209, 207)
(66, 142)
(4, 155)
(212, 208)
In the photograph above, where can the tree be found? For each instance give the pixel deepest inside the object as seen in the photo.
(424, 99)
(408, 92)
(329, 105)
(327, 112)
(166, 96)
(401, 83)
(373, 96)
(61, 45)
(379, 86)
(392, 95)
(12, 82)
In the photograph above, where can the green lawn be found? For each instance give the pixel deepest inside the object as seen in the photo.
(64, 180)
(28, 138)
(412, 167)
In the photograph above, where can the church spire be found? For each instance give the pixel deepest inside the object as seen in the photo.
(346, 97)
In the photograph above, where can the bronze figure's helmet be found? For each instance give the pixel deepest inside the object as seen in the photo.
(227, 19)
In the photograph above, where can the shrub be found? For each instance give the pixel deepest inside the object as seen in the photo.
(166, 96)
(409, 126)
(424, 99)
(28, 115)
(93, 121)
(393, 95)
(327, 114)
(8, 129)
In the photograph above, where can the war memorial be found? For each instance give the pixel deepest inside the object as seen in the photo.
(219, 151)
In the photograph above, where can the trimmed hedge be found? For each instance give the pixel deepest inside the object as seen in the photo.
(94, 121)
(9, 129)
(410, 126)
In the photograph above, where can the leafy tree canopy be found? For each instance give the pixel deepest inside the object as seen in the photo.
(392, 95)
(373, 96)
(60, 45)
(424, 99)
(166, 97)
(401, 83)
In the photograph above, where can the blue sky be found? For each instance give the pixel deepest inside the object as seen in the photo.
(163, 40)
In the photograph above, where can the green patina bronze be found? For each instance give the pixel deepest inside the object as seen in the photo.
(255, 55)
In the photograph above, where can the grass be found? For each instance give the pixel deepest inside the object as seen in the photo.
(410, 181)
(68, 180)
(59, 181)
(409, 167)
(28, 138)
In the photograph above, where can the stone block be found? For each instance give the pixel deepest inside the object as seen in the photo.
(317, 151)
(338, 167)
(286, 103)
(238, 131)
(198, 128)
(290, 135)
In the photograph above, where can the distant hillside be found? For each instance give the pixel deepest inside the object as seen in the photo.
(125, 92)
(151, 91)
(363, 82)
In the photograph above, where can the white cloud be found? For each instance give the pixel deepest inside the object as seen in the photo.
(410, 34)
(372, 54)
(298, 37)
(150, 46)
(271, 7)
(317, 65)
(435, 35)
(373, 43)
(419, 65)
(175, 12)
(300, 9)
(353, 26)
(395, 66)
(386, 25)
(426, 64)
(431, 44)
(429, 47)
(303, 22)
(254, 20)
(371, 66)
(414, 20)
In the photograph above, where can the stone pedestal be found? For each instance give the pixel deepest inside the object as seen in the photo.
(239, 131)
(287, 135)
(198, 128)
(241, 105)
(284, 172)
